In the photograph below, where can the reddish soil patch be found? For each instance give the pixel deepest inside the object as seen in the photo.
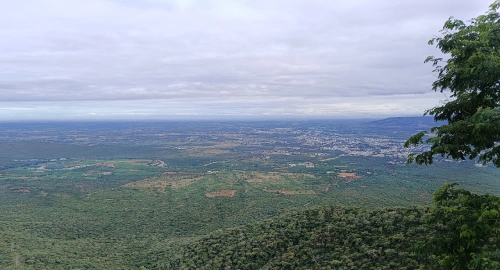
(291, 192)
(222, 193)
(180, 173)
(21, 190)
(349, 176)
(109, 164)
(91, 172)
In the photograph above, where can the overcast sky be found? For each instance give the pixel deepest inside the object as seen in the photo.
(153, 59)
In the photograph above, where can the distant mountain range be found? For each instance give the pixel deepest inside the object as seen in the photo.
(419, 121)
(403, 124)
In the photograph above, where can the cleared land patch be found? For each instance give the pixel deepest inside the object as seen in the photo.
(94, 172)
(221, 193)
(349, 176)
(170, 173)
(260, 177)
(164, 181)
(291, 192)
(21, 190)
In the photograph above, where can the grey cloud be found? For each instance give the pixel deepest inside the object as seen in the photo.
(55, 50)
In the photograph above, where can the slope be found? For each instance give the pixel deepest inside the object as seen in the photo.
(320, 238)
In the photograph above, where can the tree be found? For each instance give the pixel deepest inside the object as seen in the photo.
(472, 75)
(467, 226)
(466, 229)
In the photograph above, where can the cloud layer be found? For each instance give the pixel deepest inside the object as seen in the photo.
(187, 57)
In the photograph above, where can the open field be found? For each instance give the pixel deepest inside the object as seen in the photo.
(164, 181)
(349, 176)
(262, 177)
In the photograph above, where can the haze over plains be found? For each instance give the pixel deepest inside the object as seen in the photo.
(152, 59)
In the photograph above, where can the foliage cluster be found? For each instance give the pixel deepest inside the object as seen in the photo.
(469, 224)
(471, 74)
(320, 238)
(465, 230)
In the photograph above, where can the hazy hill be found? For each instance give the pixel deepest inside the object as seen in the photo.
(423, 122)
(403, 126)
(415, 121)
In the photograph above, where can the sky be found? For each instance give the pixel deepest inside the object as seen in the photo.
(162, 59)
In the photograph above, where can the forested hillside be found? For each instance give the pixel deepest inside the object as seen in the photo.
(321, 238)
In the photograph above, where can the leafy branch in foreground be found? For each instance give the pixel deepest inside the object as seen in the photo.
(472, 75)
(467, 225)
